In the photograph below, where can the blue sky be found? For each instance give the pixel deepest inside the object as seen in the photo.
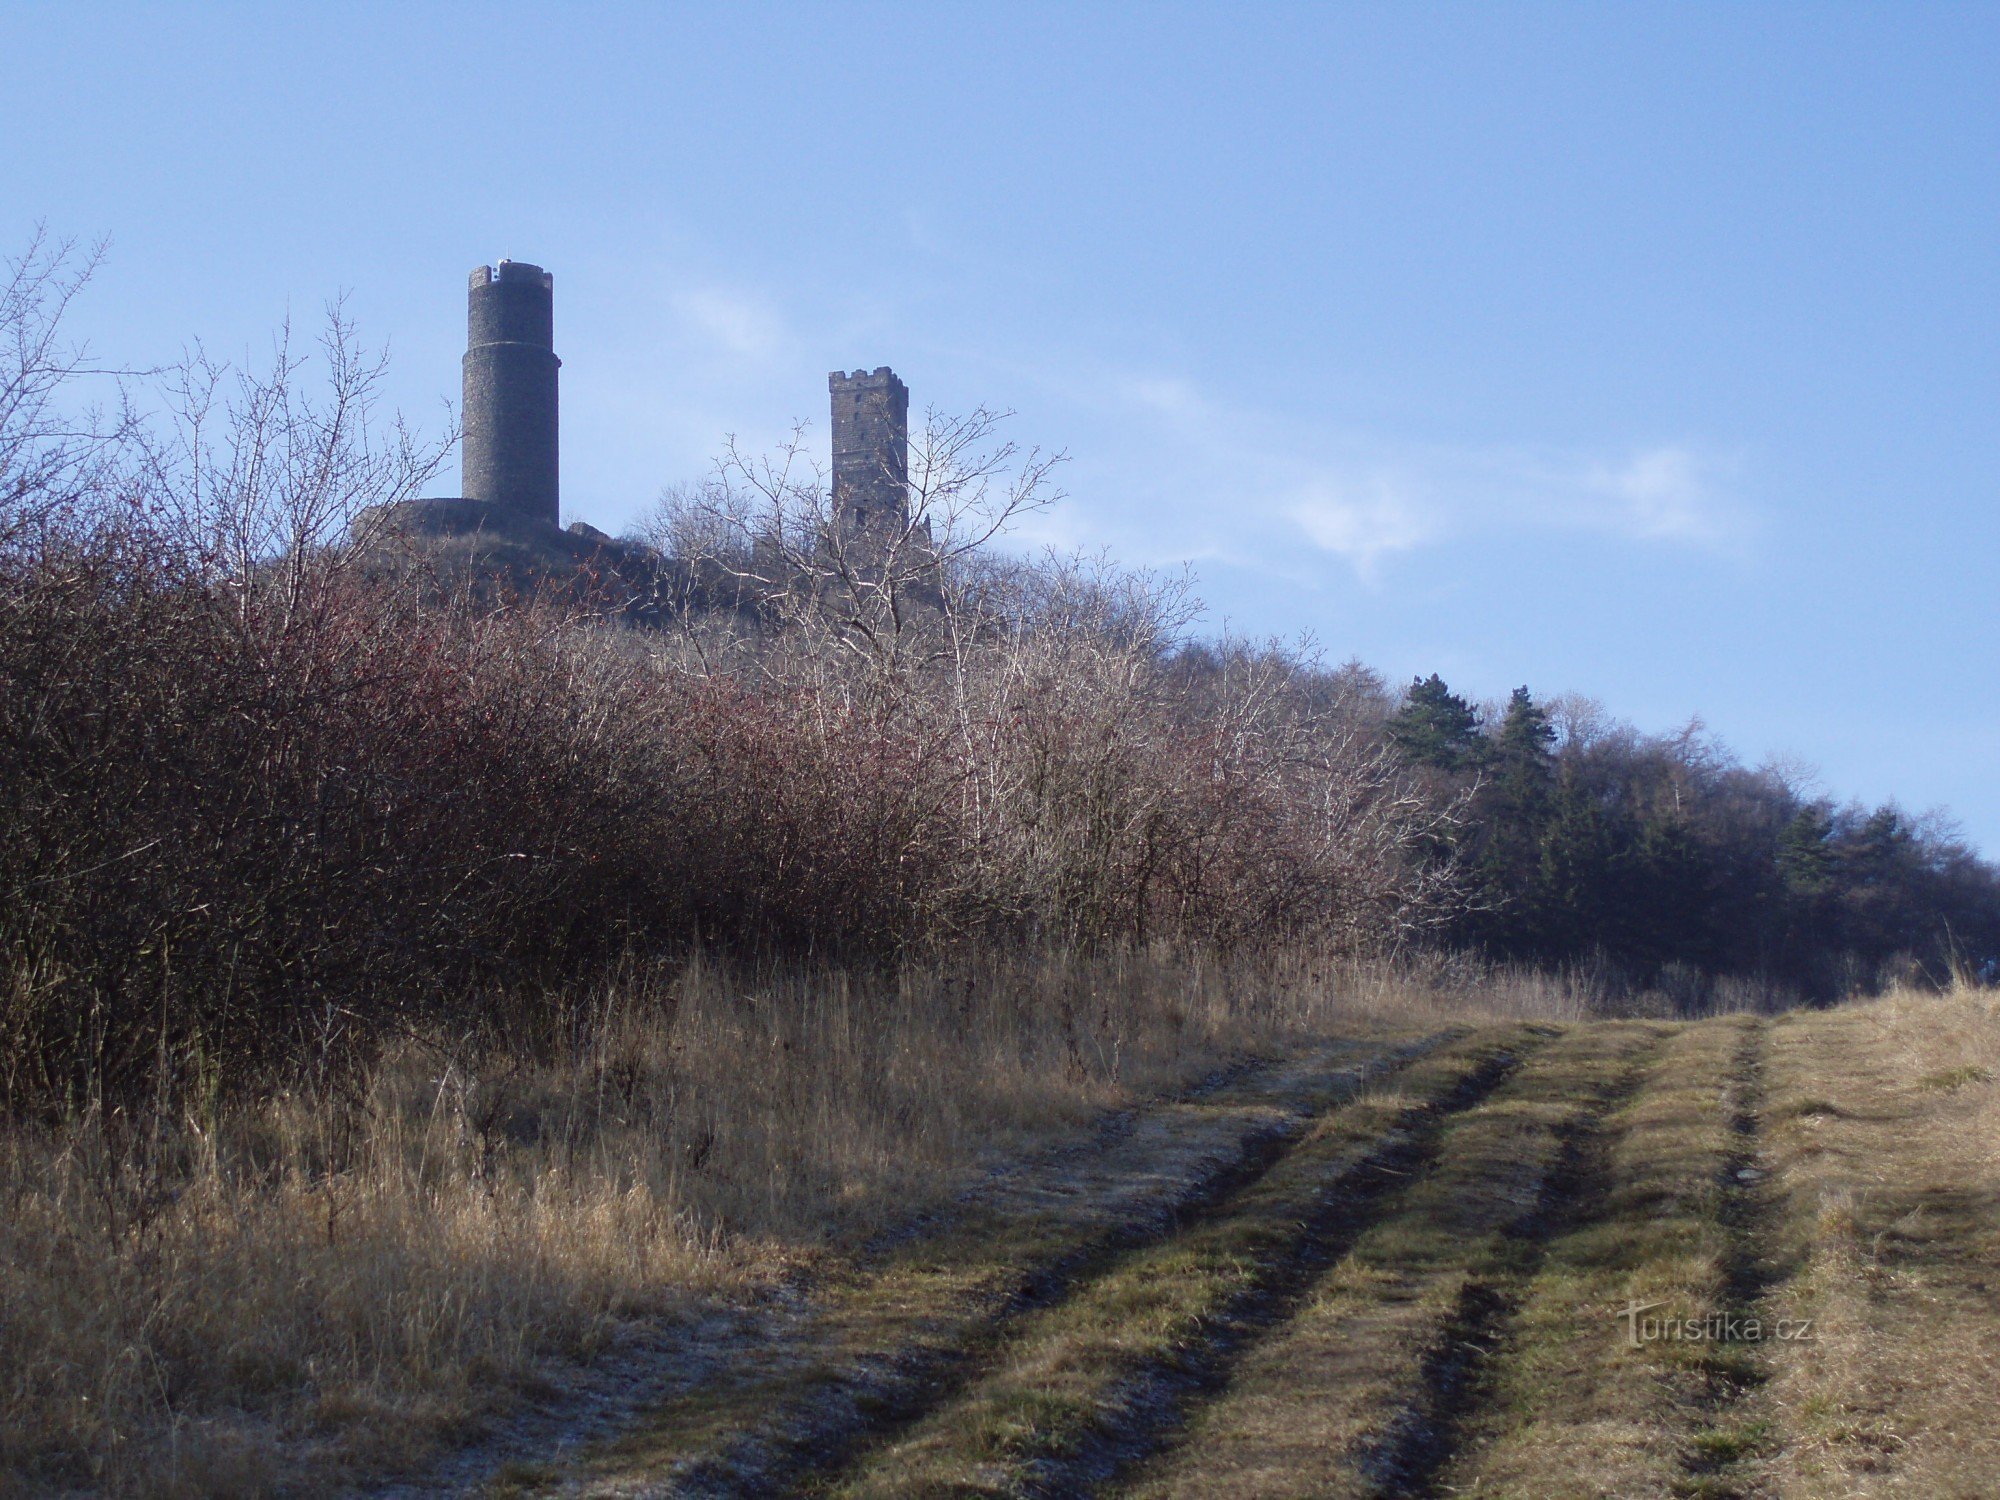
(1651, 352)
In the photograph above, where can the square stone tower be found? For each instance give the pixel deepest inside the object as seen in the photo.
(871, 454)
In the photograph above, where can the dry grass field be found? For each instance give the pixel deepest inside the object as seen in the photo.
(1129, 1227)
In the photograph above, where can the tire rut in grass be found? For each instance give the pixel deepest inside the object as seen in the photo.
(1716, 1461)
(1159, 1401)
(1427, 1433)
(880, 1392)
(1279, 1248)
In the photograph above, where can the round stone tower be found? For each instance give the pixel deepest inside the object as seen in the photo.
(510, 391)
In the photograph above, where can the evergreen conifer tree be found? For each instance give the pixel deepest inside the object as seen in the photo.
(1805, 853)
(1523, 759)
(1671, 886)
(1437, 728)
(1515, 809)
(1578, 867)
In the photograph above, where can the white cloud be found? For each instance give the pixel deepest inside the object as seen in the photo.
(1668, 494)
(1392, 500)
(1166, 396)
(1363, 521)
(1270, 485)
(741, 326)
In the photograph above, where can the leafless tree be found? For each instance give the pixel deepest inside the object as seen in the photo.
(892, 599)
(58, 450)
(278, 482)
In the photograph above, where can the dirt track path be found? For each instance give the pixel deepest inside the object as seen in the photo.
(1367, 1390)
(1092, 1384)
(1527, 1261)
(779, 1395)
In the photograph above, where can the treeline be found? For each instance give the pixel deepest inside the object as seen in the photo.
(263, 797)
(1587, 840)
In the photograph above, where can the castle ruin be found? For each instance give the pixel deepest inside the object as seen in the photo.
(511, 443)
(509, 509)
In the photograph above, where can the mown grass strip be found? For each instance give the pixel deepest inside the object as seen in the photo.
(1582, 1402)
(879, 1344)
(1084, 1387)
(1363, 1391)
